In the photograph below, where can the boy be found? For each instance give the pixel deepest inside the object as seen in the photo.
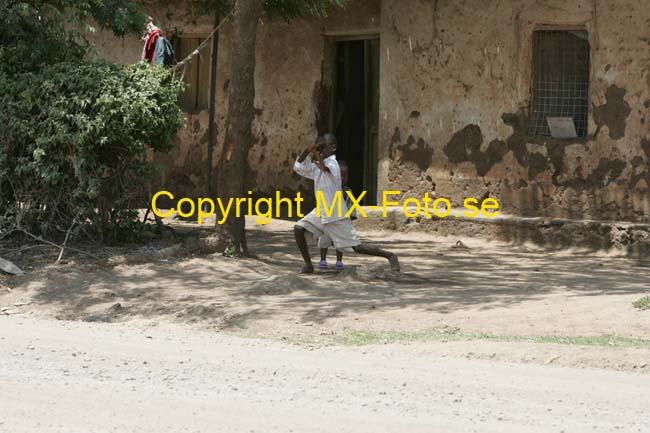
(324, 242)
(323, 169)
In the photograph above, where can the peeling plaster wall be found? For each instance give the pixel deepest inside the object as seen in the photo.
(288, 91)
(454, 96)
(456, 86)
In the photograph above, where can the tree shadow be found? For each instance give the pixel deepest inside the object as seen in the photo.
(236, 293)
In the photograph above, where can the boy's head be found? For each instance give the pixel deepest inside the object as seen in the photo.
(344, 172)
(326, 145)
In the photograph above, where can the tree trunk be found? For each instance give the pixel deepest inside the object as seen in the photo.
(232, 174)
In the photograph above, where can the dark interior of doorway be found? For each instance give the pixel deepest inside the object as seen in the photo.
(357, 113)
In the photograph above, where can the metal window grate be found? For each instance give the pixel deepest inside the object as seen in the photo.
(561, 61)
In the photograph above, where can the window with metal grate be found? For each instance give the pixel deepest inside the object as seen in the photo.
(561, 62)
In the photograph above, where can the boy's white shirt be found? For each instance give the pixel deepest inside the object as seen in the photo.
(348, 202)
(328, 183)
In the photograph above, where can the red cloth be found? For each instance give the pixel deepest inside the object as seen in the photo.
(150, 45)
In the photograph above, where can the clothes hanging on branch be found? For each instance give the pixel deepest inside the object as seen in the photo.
(164, 52)
(150, 38)
(157, 50)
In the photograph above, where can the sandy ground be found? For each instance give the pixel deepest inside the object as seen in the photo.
(497, 288)
(72, 377)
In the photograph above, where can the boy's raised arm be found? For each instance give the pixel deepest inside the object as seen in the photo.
(303, 155)
(320, 164)
(309, 169)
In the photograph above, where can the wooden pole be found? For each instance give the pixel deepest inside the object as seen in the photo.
(213, 87)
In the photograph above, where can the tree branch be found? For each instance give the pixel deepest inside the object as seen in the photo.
(65, 241)
(205, 41)
(57, 245)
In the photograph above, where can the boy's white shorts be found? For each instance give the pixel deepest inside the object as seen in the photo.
(324, 242)
(341, 233)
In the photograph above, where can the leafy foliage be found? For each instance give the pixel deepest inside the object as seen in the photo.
(290, 9)
(42, 31)
(76, 133)
(643, 303)
(287, 9)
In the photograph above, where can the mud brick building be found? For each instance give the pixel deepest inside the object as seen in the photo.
(445, 96)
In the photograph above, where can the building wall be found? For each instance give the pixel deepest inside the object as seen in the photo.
(456, 78)
(288, 93)
(454, 96)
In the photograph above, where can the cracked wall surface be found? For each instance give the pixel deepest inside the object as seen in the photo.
(455, 80)
(465, 68)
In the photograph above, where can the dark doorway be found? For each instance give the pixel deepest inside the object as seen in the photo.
(356, 113)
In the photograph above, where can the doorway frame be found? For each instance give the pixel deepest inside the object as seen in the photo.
(329, 78)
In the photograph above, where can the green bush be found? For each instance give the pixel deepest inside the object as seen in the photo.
(75, 134)
(75, 140)
(643, 303)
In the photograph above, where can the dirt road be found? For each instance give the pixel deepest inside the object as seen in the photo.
(58, 376)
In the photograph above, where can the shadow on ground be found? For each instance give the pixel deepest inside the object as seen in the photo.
(438, 281)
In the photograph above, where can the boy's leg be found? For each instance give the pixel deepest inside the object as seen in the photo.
(299, 234)
(323, 259)
(312, 227)
(374, 251)
(344, 236)
(339, 259)
(324, 242)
